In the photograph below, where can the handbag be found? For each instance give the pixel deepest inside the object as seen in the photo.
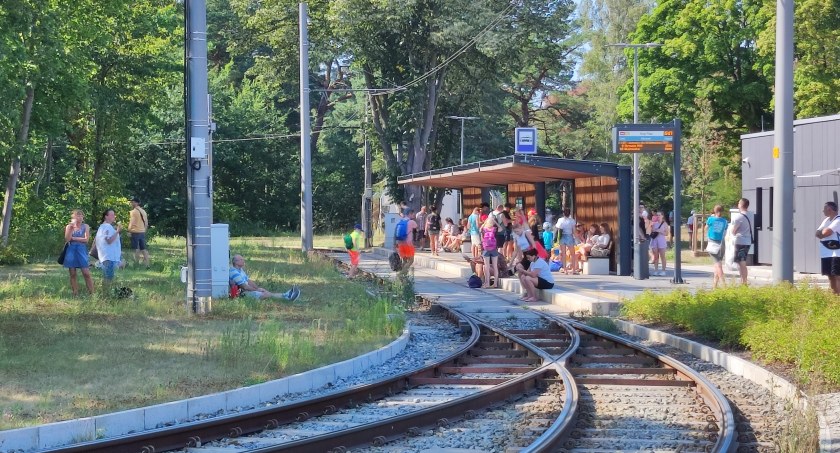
(94, 252)
(713, 248)
(831, 244)
(63, 253)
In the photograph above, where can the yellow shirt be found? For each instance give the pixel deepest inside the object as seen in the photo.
(138, 220)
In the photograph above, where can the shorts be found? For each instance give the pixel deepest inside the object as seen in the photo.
(718, 257)
(490, 253)
(544, 284)
(501, 238)
(354, 257)
(567, 240)
(475, 239)
(830, 266)
(405, 250)
(741, 252)
(434, 232)
(108, 269)
(138, 241)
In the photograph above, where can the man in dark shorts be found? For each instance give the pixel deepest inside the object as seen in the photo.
(742, 230)
(137, 225)
(827, 234)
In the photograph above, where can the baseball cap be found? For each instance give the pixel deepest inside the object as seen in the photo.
(358, 226)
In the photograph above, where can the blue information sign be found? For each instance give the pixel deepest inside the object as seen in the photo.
(526, 140)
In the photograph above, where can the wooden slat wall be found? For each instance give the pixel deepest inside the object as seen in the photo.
(470, 198)
(526, 191)
(596, 201)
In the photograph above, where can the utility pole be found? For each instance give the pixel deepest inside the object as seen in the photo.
(305, 132)
(198, 157)
(783, 146)
(367, 196)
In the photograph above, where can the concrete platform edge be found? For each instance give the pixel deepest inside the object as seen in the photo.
(104, 426)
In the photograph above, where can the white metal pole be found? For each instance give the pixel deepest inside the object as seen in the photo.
(462, 141)
(636, 198)
(783, 146)
(305, 132)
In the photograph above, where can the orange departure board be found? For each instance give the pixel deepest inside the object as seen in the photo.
(642, 138)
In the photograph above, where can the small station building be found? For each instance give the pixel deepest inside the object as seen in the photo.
(601, 191)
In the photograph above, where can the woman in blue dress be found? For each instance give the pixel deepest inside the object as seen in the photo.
(77, 234)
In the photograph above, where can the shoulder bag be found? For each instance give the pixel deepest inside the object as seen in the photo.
(832, 244)
(63, 253)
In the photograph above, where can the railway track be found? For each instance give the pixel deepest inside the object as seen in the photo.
(600, 393)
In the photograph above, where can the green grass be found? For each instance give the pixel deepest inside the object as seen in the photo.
(64, 357)
(792, 325)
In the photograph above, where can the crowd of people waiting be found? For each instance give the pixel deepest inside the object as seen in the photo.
(508, 241)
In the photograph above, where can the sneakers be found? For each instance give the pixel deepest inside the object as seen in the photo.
(292, 294)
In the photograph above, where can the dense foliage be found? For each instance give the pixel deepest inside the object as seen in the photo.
(779, 323)
(94, 97)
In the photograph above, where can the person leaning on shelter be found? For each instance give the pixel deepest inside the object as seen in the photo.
(716, 227)
(138, 223)
(77, 235)
(829, 235)
(240, 278)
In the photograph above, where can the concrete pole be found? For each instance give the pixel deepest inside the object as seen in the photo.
(783, 146)
(305, 141)
(368, 191)
(638, 258)
(198, 152)
(677, 203)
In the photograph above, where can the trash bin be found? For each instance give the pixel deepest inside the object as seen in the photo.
(641, 269)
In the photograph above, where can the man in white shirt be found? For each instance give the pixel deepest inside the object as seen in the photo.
(741, 228)
(108, 247)
(829, 239)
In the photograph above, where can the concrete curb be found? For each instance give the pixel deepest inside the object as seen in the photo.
(151, 417)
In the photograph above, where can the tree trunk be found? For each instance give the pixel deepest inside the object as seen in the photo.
(14, 172)
(47, 171)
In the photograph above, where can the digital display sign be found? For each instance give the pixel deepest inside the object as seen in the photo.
(644, 138)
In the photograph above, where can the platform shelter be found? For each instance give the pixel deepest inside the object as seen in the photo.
(601, 191)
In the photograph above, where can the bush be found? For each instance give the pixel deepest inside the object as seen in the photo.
(782, 323)
(12, 256)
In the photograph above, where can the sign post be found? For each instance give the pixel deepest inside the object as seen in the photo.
(526, 140)
(656, 138)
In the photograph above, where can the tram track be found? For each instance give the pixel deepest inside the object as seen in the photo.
(597, 392)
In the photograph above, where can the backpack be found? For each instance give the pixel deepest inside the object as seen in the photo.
(395, 261)
(474, 281)
(401, 232)
(348, 241)
(488, 239)
(434, 222)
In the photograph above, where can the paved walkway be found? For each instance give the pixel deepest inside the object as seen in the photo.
(443, 278)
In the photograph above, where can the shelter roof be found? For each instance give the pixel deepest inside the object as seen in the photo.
(518, 168)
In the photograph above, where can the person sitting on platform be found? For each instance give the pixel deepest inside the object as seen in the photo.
(240, 278)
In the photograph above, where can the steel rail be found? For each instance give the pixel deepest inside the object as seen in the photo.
(195, 433)
(378, 433)
(714, 399)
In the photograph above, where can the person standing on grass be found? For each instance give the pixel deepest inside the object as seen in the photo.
(138, 223)
(108, 247)
(741, 229)
(829, 235)
(716, 227)
(240, 278)
(77, 235)
(535, 277)
(355, 250)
